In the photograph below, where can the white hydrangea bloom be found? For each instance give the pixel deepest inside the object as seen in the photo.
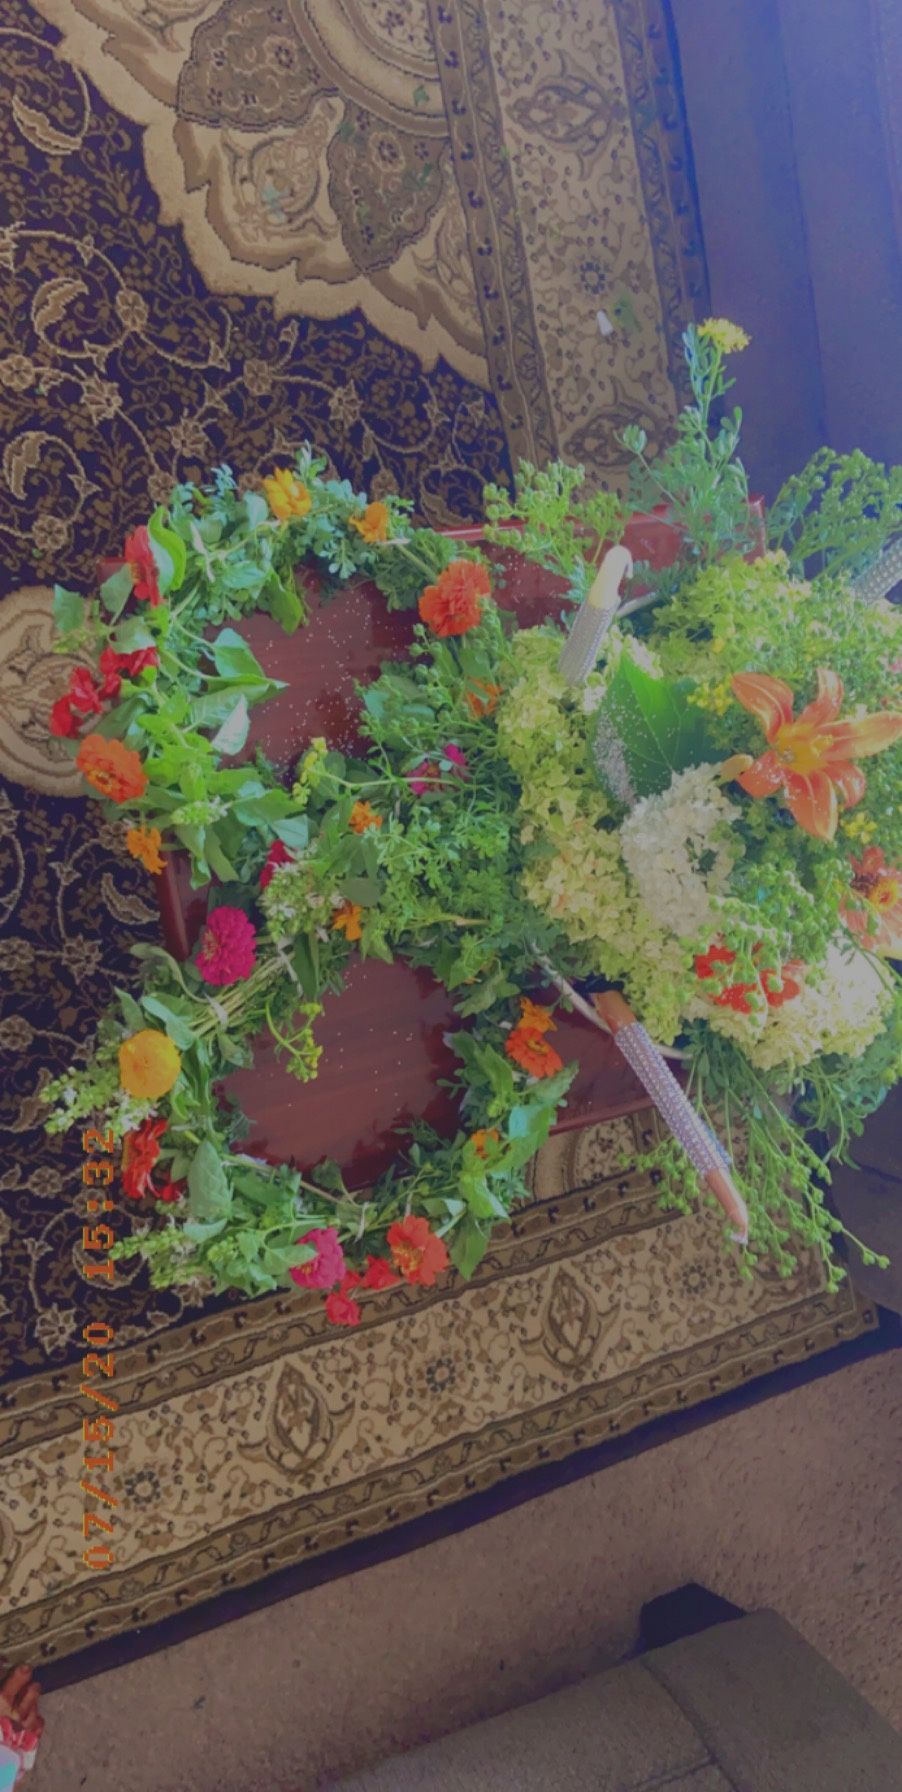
(679, 849)
(840, 1010)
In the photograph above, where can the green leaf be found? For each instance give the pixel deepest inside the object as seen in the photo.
(116, 590)
(468, 1247)
(272, 806)
(280, 597)
(177, 1028)
(132, 635)
(305, 959)
(294, 832)
(68, 610)
(363, 890)
(256, 508)
(645, 732)
(168, 550)
(231, 736)
(131, 1013)
(209, 1195)
(218, 861)
(233, 658)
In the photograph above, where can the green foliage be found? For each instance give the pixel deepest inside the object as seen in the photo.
(699, 479)
(555, 525)
(837, 514)
(646, 730)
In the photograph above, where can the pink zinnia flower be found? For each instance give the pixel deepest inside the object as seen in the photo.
(278, 855)
(328, 1266)
(228, 947)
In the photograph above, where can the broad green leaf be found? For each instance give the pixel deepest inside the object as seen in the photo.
(209, 1195)
(68, 610)
(132, 635)
(168, 550)
(177, 1028)
(231, 736)
(272, 806)
(131, 1012)
(280, 597)
(646, 731)
(469, 1244)
(233, 658)
(217, 859)
(294, 832)
(305, 959)
(116, 590)
(363, 890)
(256, 507)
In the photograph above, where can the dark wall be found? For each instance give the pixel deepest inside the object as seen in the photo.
(785, 106)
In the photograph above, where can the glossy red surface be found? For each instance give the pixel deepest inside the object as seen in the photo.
(384, 1054)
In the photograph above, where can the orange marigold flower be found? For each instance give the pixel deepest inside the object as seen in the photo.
(483, 1137)
(346, 920)
(810, 758)
(453, 604)
(416, 1251)
(532, 1015)
(363, 817)
(286, 495)
(528, 1048)
(116, 771)
(144, 845)
(375, 523)
(482, 697)
(149, 1064)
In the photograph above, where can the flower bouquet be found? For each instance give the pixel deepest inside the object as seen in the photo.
(681, 796)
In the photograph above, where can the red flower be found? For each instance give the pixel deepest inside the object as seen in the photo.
(278, 855)
(379, 1274)
(228, 947)
(453, 605)
(171, 1191)
(84, 694)
(775, 989)
(140, 1151)
(340, 1308)
(62, 719)
(129, 663)
(138, 554)
(416, 1251)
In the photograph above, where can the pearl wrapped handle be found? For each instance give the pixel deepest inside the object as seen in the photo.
(675, 1108)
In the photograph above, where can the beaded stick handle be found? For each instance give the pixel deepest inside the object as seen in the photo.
(703, 1151)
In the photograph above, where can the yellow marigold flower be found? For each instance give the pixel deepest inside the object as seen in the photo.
(144, 845)
(346, 920)
(483, 1137)
(149, 1064)
(724, 335)
(533, 1015)
(375, 523)
(286, 496)
(363, 817)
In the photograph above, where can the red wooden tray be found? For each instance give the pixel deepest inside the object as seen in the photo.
(384, 1045)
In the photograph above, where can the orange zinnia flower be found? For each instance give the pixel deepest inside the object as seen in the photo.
(144, 845)
(416, 1251)
(484, 1136)
(375, 523)
(528, 1048)
(346, 920)
(286, 495)
(879, 923)
(810, 757)
(452, 605)
(482, 697)
(116, 771)
(363, 817)
(541, 1020)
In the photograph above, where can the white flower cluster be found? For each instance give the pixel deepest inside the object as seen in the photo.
(291, 903)
(840, 1010)
(680, 851)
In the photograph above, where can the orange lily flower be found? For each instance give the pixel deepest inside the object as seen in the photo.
(811, 757)
(879, 886)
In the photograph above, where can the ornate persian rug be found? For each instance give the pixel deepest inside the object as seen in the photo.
(432, 237)
(258, 1437)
